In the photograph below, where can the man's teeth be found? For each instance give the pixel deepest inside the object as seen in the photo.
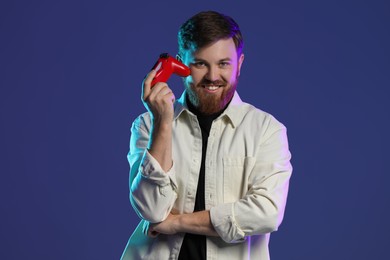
(212, 87)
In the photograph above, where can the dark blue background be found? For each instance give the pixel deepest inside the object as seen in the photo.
(70, 87)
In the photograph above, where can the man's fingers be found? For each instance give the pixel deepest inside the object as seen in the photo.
(147, 229)
(152, 233)
(160, 91)
(164, 91)
(146, 87)
(173, 98)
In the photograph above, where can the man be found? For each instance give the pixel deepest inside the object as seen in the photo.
(209, 173)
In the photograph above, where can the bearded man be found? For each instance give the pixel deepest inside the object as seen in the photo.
(209, 173)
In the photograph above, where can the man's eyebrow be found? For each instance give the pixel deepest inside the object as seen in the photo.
(198, 59)
(221, 60)
(226, 59)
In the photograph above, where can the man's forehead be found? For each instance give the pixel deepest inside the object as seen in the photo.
(220, 49)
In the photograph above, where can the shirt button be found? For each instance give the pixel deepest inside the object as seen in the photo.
(163, 191)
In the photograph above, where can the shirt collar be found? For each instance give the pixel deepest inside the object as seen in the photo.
(234, 112)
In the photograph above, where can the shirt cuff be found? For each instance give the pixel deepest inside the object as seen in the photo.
(222, 218)
(152, 171)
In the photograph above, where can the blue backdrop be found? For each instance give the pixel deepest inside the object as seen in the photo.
(70, 82)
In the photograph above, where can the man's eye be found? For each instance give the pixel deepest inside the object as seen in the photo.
(199, 64)
(224, 64)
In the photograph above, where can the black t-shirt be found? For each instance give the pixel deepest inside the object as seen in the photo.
(194, 246)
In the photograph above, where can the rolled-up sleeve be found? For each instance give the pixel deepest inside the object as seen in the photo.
(152, 191)
(261, 210)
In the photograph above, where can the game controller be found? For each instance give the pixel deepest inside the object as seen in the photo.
(165, 66)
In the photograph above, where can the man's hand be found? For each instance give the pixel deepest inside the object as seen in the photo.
(168, 227)
(158, 99)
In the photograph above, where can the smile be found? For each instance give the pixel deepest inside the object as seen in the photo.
(211, 87)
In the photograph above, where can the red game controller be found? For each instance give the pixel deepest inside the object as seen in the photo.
(165, 66)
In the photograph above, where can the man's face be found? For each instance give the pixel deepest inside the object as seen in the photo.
(214, 75)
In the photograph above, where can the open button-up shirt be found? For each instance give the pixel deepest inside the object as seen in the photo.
(247, 172)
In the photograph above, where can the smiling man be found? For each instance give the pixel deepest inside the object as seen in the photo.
(209, 173)
(214, 76)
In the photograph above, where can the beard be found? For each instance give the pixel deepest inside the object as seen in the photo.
(208, 103)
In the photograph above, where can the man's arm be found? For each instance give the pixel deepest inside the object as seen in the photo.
(195, 223)
(152, 177)
(158, 100)
(261, 210)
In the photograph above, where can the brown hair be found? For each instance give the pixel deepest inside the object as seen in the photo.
(207, 27)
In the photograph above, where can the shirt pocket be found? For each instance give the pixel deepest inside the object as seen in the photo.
(236, 172)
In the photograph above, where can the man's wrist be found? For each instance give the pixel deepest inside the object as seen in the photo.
(161, 123)
(161, 129)
(177, 223)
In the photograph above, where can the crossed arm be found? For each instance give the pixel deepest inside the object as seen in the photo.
(195, 223)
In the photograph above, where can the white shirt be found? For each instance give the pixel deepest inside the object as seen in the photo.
(247, 172)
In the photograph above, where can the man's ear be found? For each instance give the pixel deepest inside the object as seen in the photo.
(240, 61)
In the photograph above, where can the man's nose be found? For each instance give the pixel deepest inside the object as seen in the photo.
(213, 74)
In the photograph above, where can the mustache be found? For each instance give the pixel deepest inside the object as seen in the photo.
(211, 82)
